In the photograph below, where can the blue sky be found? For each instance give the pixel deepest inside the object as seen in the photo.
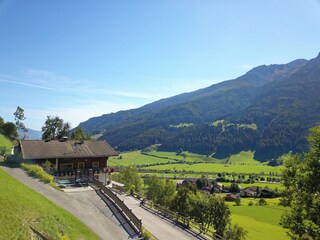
(78, 59)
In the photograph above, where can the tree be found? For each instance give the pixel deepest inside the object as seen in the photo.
(219, 214)
(301, 179)
(234, 188)
(235, 232)
(55, 128)
(180, 203)
(19, 117)
(155, 188)
(9, 129)
(169, 193)
(202, 182)
(79, 134)
(160, 191)
(1, 123)
(199, 208)
(131, 179)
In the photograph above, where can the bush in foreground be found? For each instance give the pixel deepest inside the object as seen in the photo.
(38, 172)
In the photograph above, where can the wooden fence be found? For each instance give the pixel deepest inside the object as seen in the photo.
(124, 210)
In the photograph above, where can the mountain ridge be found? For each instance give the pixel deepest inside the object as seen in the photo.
(235, 100)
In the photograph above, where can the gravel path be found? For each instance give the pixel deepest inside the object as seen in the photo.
(85, 205)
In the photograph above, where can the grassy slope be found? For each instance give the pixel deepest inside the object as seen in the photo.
(20, 205)
(261, 222)
(136, 158)
(244, 158)
(5, 142)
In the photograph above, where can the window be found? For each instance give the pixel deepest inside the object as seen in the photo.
(95, 164)
(66, 166)
(81, 165)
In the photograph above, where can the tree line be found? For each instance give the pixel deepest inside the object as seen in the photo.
(187, 200)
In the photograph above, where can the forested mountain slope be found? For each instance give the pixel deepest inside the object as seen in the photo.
(281, 100)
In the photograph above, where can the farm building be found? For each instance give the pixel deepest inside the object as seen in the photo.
(67, 155)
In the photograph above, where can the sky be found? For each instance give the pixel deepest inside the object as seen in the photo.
(78, 59)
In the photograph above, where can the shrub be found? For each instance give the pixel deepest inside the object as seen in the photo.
(250, 203)
(262, 202)
(38, 172)
(146, 235)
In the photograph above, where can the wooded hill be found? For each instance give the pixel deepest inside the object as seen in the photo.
(267, 110)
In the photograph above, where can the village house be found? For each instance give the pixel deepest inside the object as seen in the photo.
(67, 156)
(248, 193)
(230, 197)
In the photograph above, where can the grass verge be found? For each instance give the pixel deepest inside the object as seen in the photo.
(20, 205)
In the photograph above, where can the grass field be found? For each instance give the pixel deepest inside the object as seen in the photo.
(244, 158)
(5, 142)
(212, 167)
(261, 222)
(153, 157)
(20, 205)
(134, 158)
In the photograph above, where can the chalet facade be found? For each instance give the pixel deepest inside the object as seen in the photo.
(67, 155)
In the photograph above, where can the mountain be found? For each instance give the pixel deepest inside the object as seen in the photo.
(30, 134)
(281, 100)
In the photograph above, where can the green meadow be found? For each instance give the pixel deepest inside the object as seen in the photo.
(261, 222)
(242, 162)
(214, 167)
(20, 206)
(134, 158)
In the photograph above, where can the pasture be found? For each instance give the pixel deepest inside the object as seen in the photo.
(261, 222)
(221, 168)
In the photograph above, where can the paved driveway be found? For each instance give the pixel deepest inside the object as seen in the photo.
(85, 205)
(160, 228)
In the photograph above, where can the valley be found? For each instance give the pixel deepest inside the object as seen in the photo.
(261, 222)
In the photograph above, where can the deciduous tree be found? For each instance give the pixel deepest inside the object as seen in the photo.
(19, 117)
(301, 179)
(79, 134)
(130, 178)
(55, 128)
(9, 129)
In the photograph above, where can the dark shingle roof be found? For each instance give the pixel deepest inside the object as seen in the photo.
(69, 149)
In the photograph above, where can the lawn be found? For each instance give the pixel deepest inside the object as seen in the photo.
(5, 142)
(20, 205)
(261, 222)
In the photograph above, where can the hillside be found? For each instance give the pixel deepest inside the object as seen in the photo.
(30, 134)
(5, 143)
(20, 206)
(280, 100)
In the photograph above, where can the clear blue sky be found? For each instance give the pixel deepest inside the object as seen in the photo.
(78, 59)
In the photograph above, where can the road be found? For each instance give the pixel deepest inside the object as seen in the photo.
(104, 219)
(160, 228)
(85, 205)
